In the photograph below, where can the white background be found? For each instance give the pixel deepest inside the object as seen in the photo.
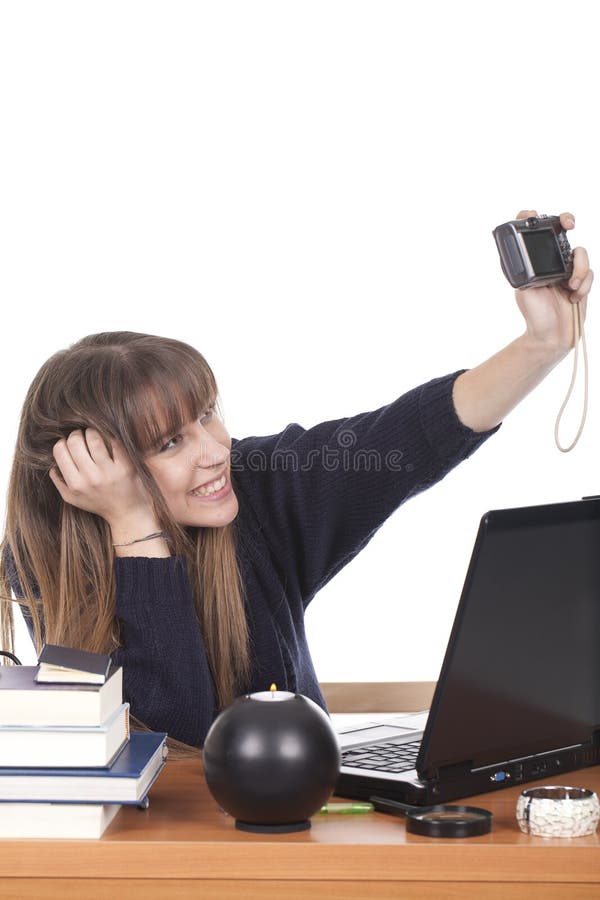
(306, 192)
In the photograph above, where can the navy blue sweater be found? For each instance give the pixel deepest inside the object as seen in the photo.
(309, 501)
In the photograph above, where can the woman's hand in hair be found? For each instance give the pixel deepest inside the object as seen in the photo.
(87, 477)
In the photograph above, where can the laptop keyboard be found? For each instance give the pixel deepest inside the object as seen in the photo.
(383, 757)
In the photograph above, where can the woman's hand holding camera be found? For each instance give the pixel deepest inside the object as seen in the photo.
(483, 396)
(548, 311)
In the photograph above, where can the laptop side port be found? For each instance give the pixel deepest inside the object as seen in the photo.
(499, 777)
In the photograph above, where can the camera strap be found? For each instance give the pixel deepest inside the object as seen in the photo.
(578, 332)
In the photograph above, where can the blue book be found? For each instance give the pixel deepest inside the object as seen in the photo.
(128, 780)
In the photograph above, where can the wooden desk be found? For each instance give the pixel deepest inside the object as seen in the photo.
(183, 846)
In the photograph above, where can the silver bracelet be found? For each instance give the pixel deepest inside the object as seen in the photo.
(149, 537)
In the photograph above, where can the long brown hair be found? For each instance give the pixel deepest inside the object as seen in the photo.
(130, 387)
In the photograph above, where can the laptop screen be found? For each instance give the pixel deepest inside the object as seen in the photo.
(521, 673)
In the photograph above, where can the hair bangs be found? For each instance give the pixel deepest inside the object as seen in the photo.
(169, 400)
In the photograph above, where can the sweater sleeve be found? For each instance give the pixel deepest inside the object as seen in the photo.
(320, 494)
(167, 679)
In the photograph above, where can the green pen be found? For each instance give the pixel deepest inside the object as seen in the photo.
(347, 808)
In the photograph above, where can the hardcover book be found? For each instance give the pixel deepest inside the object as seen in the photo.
(65, 745)
(24, 701)
(128, 780)
(56, 820)
(68, 664)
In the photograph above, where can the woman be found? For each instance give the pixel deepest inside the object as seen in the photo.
(136, 526)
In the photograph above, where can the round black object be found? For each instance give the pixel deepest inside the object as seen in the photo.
(449, 821)
(272, 765)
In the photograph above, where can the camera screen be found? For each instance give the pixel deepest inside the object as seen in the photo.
(543, 252)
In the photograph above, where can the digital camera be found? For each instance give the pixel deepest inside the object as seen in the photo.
(534, 251)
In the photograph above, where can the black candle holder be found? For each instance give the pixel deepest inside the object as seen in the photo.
(271, 760)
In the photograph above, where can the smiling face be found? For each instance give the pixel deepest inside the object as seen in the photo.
(192, 471)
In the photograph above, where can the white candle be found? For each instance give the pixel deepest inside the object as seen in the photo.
(272, 695)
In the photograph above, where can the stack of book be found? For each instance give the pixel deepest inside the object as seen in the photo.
(67, 759)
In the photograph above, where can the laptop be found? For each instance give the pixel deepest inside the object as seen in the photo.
(518, 696)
